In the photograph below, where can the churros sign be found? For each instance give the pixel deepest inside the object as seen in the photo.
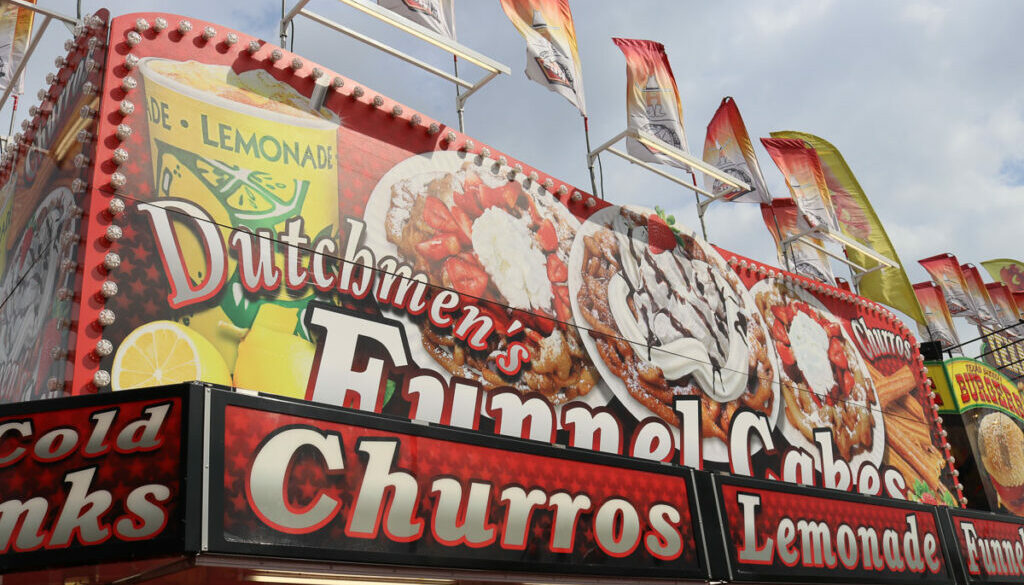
(289, 231)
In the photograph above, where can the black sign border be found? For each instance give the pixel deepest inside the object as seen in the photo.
(798, 575)
(216, 543)
(166, 544)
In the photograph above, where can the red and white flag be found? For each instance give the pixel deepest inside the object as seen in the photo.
(727, 147)
(805, 178)
(783, 221)
(552, 58)
(652, 100)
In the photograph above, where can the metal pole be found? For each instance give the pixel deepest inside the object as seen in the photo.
(10, 129)
(590, 161)
(284, 25)
(786, 250)
(459, 109)
(700, 210)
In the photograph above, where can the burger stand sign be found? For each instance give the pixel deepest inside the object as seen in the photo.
(256, 221)
(991, 412)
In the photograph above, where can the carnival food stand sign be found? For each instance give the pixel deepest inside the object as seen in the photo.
(258, 221)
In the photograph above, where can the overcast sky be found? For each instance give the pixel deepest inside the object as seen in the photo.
(924, 99)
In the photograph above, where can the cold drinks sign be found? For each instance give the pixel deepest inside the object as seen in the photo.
(287, 230)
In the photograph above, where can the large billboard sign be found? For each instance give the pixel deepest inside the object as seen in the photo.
(259, 221)
(299, 482)
(40, 213)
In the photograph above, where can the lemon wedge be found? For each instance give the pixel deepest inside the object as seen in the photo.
(271, 358)
(165, 352)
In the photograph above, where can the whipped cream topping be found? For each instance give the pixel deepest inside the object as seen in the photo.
(686, 317)
(510, 256)
(809, 341)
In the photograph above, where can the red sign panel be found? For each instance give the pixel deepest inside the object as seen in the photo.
(778, 532)
(991, 547)
(328, 484)
(89, 481)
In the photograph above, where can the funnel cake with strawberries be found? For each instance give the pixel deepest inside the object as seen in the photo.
(825, 383)
(669, 318)
(504, 250)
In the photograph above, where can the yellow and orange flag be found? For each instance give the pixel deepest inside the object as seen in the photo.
(15, 30)
(652, 100)
(727, 147)
(938, 323)
(1009, 272)
(858, 220)
(552, 58)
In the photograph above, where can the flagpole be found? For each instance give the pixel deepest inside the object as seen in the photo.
(786, 250)
(14, 109)
(590, 162)
(458, 106)
(700, 210)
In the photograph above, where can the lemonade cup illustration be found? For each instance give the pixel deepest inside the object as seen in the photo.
(252, 153)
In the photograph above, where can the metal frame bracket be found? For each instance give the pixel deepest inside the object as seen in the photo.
(491, 67)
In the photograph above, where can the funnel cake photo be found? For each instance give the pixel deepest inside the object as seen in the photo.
(825, 383)
(669, 318)
(504, 249)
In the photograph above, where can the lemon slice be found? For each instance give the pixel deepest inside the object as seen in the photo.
(165, 352)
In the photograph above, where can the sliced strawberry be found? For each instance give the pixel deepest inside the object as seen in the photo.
(557, 270)
(782, 313)
(497, 196)
(563, 307)
(837, 353)
(779, 333)
(547, 237)
(469, 200)
(439, 247)
(846, 382)
(660, 237)
(511, 193)
(785, 354)
(832, 329)
(437, 216)
(545, 325)
(463, 226)
(498, 314)
(534, 214)
(467, 276)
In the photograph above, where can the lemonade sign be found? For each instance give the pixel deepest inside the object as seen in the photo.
(245, 177)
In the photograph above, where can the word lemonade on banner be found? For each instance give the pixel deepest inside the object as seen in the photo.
(777, 533)
(340, 252)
